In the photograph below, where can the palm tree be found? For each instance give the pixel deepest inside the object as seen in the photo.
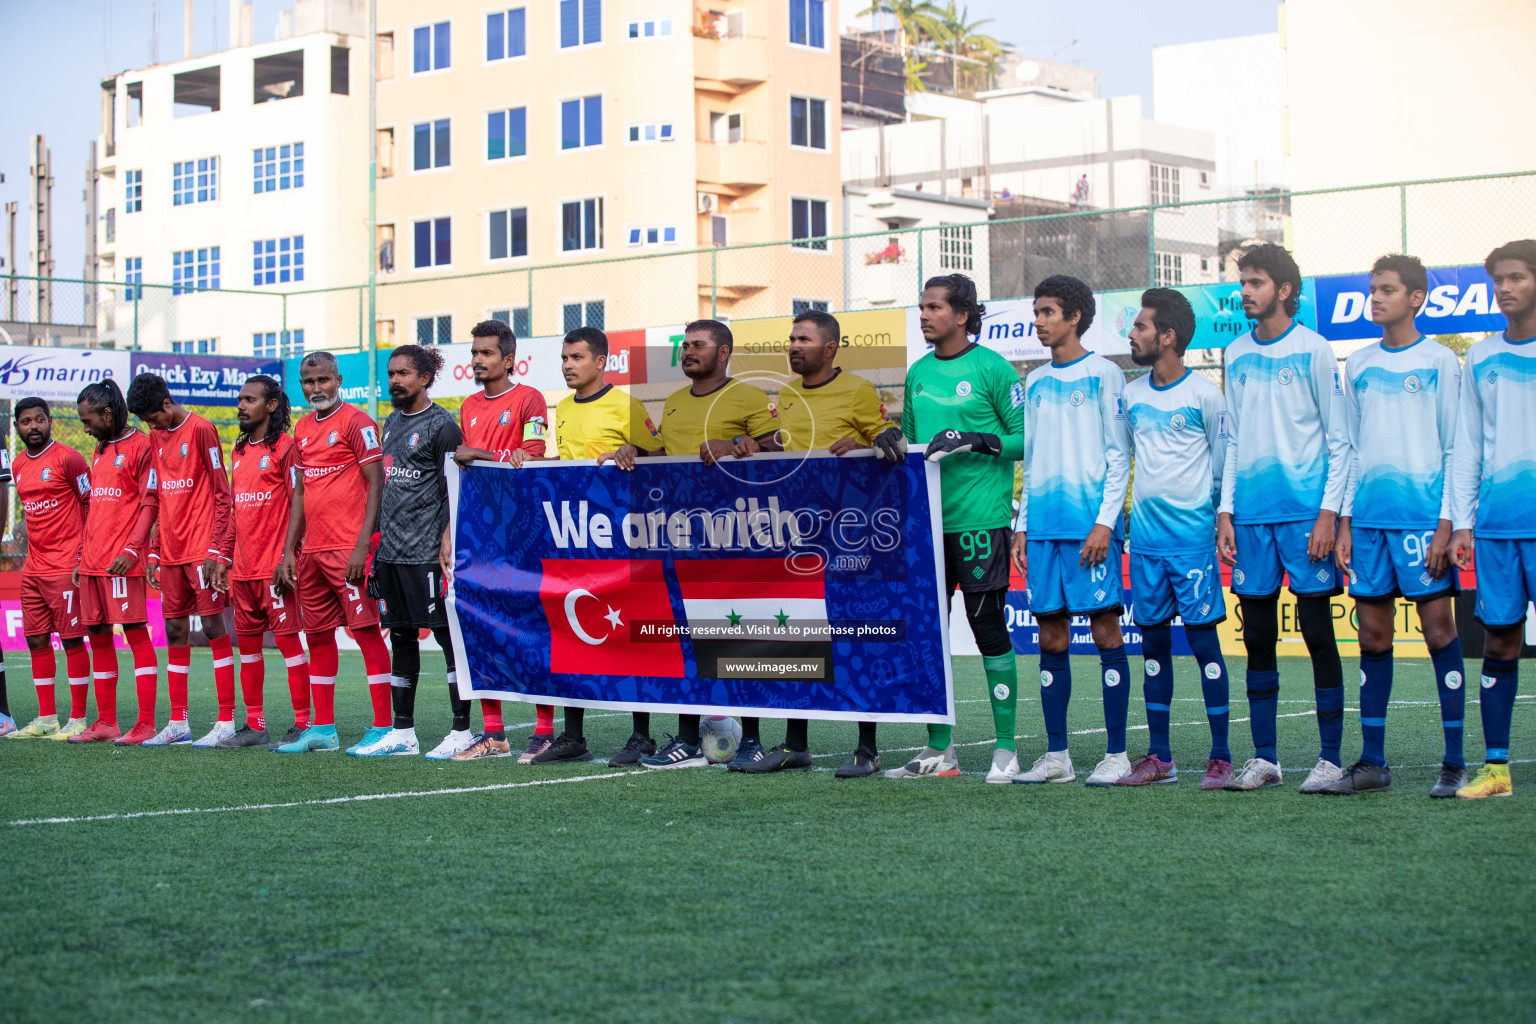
(916, 20)
(959, 35)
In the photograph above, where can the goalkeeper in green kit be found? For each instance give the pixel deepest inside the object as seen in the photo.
(966, 403)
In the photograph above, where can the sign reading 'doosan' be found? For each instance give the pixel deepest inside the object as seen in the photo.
(1460, 302)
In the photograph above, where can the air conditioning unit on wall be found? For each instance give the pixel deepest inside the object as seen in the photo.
(708, 202)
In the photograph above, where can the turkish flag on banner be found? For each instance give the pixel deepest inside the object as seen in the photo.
(590, 603)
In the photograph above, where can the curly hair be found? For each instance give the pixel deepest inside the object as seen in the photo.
(425, 361)
(960, 293)
(147, 394)
(1280, 265)
(1074, 295)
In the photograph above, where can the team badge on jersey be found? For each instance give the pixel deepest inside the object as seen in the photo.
(120, 460)
(503, 419)
(154, 481)
(83, 483)
(1119, 406)
(1015, 396)
(1077, 397)
(963, 388)
(47, 474)
(370, 437)
(333, 437)
(266, 462)
(216, 457)
(1177, 421)
(1285, 376)
(1411, 384)
(414, 438)
(185, 448)
(652, 427)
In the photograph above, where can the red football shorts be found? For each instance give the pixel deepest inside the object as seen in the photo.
(113, 599)
(326, 599)
(183, 591)
(261, 605)
(51, 604)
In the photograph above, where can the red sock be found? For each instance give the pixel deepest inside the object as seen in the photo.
(376, 664)
(298, 675)
(104, 668)
(323, 665)
(178, 664)
(544, 724)
(253, 676)
(491, 709)
(146, 672)
(43, 668)
(77, 662)
(224, 676)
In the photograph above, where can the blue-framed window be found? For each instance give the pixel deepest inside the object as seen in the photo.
(278, 260)
(808, 223)
(133, 276)
(592, 313)
(581, 122)
(432, 50)
(581, 22)
(436, 329)
(808, 23)
(650, 133)
(581, 224)
(433, 242)
(650, 28)
(200, 347)
(194, 181)
(653, 234)
(133, 196)
(807, 122)
(506, 133)
(279, 167)
(277, 344)
(430, 144)
(509, 233)
(521, 320)
(194, 270)
(506, 34)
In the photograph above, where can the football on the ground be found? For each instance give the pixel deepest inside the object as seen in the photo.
(720, 735)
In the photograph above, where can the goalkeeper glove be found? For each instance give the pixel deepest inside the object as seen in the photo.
(891, 444)
(949, 442)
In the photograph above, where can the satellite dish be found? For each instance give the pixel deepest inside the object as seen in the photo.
(1027, 71)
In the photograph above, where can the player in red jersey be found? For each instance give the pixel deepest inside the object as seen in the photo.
(264, 474)
(192, 540)
(506, 422)
(335, 514)
(110, 573)
(54, 489)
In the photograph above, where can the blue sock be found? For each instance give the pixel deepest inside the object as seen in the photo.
(1263, 705)
(1450, 675)
(1055, 691)
(1501, 678)
(1375, 691)
(1115, 672)
(1157, 687)
(1205, 645)
(1330, 721)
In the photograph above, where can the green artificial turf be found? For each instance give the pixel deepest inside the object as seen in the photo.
(704, 896)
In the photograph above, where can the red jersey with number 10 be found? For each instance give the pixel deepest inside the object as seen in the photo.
(262, 476)
(333, 450)
(54, 490)
(195, 520)
(122, 484)
(516, 418)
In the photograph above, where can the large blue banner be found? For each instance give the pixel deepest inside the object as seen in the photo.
(785, 583)
(1460, 301)
(204, 380)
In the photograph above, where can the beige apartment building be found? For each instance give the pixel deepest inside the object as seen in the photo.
(527, 151)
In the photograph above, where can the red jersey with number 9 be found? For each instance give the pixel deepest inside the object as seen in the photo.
(333, 449)
(262, 476)
(516, 418)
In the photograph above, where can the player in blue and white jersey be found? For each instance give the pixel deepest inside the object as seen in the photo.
(1400, 398)
(1178, 433)
(1068, 534)
(1493, 494)
(1287, 464)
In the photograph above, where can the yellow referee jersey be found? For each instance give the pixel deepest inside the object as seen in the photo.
(814, 417)
(734, 410)
(587, 427)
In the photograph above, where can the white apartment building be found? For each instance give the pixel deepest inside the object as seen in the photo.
(881, 271)
(233, 177)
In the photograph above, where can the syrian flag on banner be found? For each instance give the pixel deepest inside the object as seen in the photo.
(590, 604)
(746, 609)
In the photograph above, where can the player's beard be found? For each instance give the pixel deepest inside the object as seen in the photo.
(1265, 313)
(1144, 360)
(323, 403)
(399, 399)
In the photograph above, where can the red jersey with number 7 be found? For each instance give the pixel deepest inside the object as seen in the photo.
(195, 507)
(122, 486)
(262, 475)
(332, 450)
(516, 418)
(54, 489)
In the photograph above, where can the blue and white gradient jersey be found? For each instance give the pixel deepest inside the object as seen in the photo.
(1400, 410)
(1179, 437)
(1287, 446)
(1077, 460)
(1494, 471)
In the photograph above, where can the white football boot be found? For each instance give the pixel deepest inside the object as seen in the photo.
(1256, 774)
(1324, 773)
(1005, 766)
(1051, 766)
(395, 743)
(453, 743)
(928, 764)
(174, 733)
(220, 731)
(1110, 770)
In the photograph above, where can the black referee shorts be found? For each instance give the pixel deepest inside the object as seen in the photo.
(409, 595)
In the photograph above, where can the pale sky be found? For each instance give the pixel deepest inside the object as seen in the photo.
(58, 51)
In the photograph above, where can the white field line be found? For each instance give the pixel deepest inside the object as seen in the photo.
(320, 803)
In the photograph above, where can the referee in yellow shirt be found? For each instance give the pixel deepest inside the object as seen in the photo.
(714, 417)
(823, 408)
(596, 419)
